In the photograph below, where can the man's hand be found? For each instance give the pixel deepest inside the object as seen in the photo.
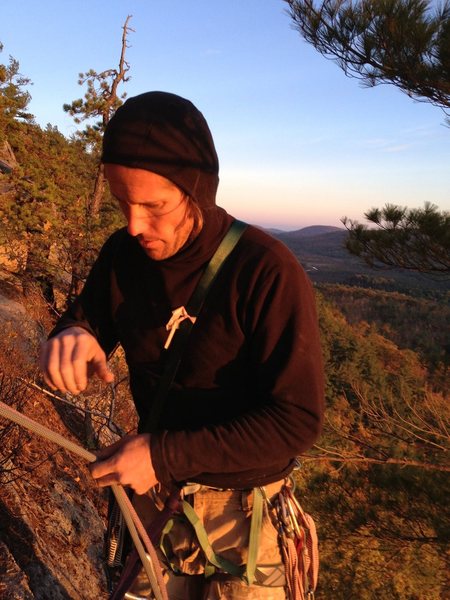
(69, 358)
(127, 462)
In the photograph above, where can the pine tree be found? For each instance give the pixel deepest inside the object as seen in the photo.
(47, 228)
(417, 239)
(14, 97)
(401, 42)
(100, 102)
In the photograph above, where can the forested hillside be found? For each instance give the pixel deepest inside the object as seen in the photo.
(379, 478)
(322, 252)
(377, 482)
(410, 322)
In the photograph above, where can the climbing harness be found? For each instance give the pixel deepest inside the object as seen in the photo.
(215, 561)
(297, 536)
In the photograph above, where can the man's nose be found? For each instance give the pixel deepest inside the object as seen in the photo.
(137, 224)
(134, 226)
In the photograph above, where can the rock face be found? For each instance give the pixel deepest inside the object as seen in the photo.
(7, 163)
(52, 516)
(7, 158)
(13, 581)
(51, 535)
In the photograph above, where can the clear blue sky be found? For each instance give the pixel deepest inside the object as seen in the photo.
(299, 143)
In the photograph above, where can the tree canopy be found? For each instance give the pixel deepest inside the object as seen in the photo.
(401, 42)
(378, 478)
(49, 231)
(101, 98)
(405, 43)
(14, 97)
(417, 239)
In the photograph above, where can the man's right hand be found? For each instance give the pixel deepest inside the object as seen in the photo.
(69, 358)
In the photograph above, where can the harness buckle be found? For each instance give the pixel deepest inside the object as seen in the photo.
(190, 488)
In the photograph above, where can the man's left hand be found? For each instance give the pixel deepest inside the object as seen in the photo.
(128, 462)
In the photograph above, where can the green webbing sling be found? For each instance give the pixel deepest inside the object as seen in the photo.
(215, 561)
(193, 308)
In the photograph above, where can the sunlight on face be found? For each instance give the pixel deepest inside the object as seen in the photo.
(156, 210)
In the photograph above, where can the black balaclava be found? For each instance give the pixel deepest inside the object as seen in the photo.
(165, 134)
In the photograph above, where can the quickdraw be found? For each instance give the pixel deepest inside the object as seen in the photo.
(299, 546)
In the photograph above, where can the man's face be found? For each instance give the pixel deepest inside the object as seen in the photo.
(156, 210)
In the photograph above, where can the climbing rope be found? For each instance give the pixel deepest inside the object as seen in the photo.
(137, 531)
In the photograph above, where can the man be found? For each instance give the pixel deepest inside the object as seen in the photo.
(248, 395)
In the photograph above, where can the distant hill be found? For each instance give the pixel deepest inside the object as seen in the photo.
(272, 230)
(321, 250)
(307, 232)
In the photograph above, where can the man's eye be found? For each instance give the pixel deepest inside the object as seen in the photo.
(156, 209)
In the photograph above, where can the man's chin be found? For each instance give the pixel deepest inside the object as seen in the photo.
(154, 249)
(155, 254)
(160, 253)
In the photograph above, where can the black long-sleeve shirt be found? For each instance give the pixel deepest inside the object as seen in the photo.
(248, 396)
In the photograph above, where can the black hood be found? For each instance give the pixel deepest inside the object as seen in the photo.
(168, 135)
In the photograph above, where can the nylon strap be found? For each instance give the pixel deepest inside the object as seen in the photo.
(213, 558)
(255, 531)
(193, 308)
(248, 572)
(230, 240)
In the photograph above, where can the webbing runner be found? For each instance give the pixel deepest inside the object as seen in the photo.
(135, 527)
(248, 572)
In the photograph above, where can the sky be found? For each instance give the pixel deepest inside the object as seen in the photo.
(299, 143)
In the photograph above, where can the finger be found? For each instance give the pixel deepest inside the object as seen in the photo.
(43, 357)
(107, 480)
(66, 369)
(103, 468)
(80, 367)
(50, 383)
(51, 365)
(115, 479)
(43, 360)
